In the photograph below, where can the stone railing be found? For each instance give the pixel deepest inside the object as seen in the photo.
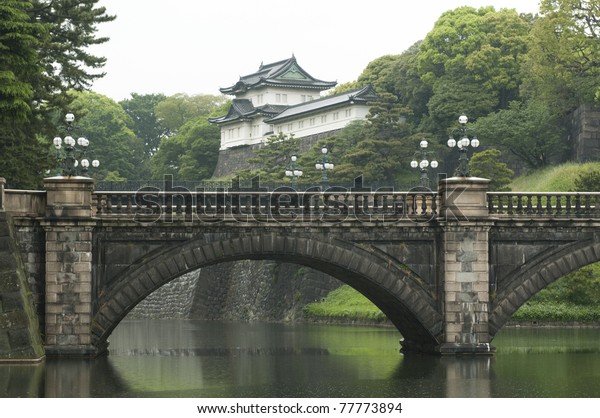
(279, 204)
(562, 204)
(22, 202)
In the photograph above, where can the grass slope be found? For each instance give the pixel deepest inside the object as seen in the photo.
(560, 178)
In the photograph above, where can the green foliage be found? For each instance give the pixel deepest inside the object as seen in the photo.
(557, 312)
(559, 178)
(174, 111)
(19, 44)
(145, 123)
(406, 84)
(588, 182)
(191, 154)
(24, 155)
(564, 61)
(273, 159)
(581, 287)
(112, 141)
(43, 54)
(344, 303)
(472, 60)
(487, 164)
(378, 72)
(530, 131)
(189, 146)
(65, 55)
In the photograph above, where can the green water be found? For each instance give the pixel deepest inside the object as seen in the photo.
(181, 358)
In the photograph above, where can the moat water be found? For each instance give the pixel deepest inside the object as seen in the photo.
(194, 359)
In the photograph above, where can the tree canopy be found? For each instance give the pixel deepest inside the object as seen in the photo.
(517, 77)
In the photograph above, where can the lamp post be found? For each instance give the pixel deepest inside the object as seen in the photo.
(71, 157)
(463, 143)
(294, 172)
(424, 164)
(324, 165)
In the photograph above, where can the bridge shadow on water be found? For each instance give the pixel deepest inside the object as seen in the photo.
(258, 372)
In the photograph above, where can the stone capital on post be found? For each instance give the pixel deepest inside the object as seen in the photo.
(69, 197)
(463, 198)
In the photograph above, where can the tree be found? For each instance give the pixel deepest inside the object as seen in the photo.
(145, 122)
(472, 60)
(42, 56)
(530, 131)
(487, 164)
(112, 141)
(376, 73)
(273, 159)
(191, 154)
(19, 44)
(65, 55)
(24, 153)
(563, 65)
(406, 84)
(174, 111)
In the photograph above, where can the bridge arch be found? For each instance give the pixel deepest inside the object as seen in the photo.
(391, 286)
(535, 275)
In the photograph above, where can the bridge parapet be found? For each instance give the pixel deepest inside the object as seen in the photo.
(552, 205)
(279, 205)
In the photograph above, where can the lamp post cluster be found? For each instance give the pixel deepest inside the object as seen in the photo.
(70, 157)
(420, 158)
(324, 165)
(294, 172)
(424, 164)
(462, 143)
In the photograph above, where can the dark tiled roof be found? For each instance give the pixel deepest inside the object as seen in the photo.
(243, 108)
(362, 95)
(285, 73)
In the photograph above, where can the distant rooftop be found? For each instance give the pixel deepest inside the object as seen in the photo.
(285, 73)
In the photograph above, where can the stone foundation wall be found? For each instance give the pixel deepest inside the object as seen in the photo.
(244, 290)
(585, 133)
(173, 300)
(20, 339)
(233, 159)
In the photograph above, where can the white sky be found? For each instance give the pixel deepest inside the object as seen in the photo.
(196, 47)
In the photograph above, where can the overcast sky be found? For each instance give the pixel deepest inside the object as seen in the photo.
(196, 47)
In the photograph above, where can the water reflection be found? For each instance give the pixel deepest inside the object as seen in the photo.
(218, 359)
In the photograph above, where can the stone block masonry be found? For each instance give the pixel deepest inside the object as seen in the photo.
(466, 284)
(20, 340)
(68, 287)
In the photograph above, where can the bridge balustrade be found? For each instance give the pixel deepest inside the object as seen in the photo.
(279, 204)
(563, 204)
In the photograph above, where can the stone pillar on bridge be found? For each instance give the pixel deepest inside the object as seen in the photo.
(69, 225)
(464, 220)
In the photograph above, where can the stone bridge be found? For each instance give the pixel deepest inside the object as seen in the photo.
(448, 268)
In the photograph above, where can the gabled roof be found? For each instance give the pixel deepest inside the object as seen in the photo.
(358, 96)
(286, 73)
(243, 109)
